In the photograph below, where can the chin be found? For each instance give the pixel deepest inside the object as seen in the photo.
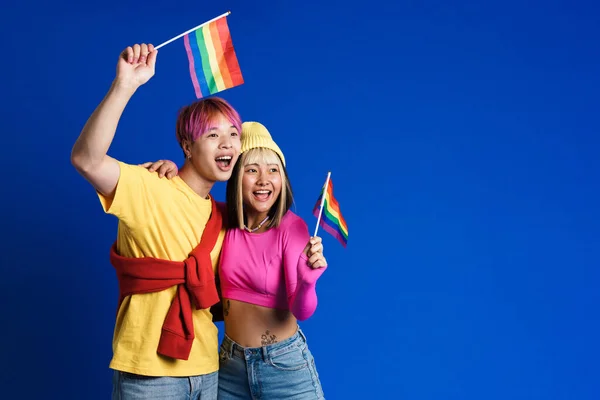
(221, 176)
(263, 208)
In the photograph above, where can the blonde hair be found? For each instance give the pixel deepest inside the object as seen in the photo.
(235, 200)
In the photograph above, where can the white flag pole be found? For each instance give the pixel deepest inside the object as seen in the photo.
(322, 202)
(192, 30)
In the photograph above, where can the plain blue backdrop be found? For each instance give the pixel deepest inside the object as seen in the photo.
(463, 143)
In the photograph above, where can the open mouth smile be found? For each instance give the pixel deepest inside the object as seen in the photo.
(224, 162)
(262, 195)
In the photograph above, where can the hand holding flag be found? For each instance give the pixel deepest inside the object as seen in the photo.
(136, 65)
(314, 252)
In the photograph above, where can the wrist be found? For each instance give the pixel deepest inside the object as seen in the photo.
(308, 276)
(123, 88)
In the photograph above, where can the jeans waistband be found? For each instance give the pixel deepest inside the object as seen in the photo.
(232, 348)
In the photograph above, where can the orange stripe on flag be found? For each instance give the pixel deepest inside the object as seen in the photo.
(333, 203)
(218, 45)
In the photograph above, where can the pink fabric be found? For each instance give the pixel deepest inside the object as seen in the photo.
(270, 269)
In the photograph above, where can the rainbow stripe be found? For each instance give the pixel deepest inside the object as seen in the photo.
(213, 64)
(331, 218)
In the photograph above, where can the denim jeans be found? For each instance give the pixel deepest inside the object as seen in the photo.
(128, 386)
(281, 371)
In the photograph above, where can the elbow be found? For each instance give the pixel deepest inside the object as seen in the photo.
(304, 313)
(303, 303)
(302, 317)
(77, 163)
(77, 160)
(80, 162)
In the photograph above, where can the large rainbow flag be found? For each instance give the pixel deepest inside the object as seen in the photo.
(213, 64)
(331, 218)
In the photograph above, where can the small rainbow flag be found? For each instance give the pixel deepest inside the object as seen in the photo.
(213, 64)
(330, 217)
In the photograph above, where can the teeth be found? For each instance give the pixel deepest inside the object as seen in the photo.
(262, 192)
(224, 158)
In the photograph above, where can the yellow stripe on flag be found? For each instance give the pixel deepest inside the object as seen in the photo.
(331, 209)
(212, 57)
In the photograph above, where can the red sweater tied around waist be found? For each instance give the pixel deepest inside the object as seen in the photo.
(195, 282)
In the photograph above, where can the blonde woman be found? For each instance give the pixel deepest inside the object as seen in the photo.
(268, 272)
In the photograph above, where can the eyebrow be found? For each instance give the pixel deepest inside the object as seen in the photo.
(214, 128)
(256, 164)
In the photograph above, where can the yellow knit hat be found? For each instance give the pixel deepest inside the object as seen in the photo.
(255, 135)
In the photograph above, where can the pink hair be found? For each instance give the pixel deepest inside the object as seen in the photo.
(197, 118)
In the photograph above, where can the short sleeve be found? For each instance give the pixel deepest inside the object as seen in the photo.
(134, 193)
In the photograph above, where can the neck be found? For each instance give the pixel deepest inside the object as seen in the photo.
(195, 181)
(253, 219)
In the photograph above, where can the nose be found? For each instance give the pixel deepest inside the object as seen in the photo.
(226, 142)
(262, 179)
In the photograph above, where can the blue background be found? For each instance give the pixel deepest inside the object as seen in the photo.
(463, 143)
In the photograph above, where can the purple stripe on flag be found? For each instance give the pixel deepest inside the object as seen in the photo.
(333, 232)
(190, 55)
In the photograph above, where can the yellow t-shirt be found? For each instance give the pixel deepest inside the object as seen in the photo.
(163, 219)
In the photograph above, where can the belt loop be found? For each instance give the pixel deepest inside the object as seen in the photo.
(265, 353)
(229, 346)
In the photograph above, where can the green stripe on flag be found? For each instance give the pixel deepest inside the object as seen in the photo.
(210, 79)
(333, 219)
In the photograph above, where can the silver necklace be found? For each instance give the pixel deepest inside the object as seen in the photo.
(258, 227)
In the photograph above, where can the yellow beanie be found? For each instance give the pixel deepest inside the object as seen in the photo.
(255, 135)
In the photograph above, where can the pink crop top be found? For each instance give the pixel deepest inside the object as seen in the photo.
(270, 269)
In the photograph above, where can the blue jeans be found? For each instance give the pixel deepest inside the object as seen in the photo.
(128, 386)
(281, 371)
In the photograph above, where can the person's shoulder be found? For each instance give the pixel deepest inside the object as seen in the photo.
(142, 174)
(294, 230)
(292, 220)
(135, 169)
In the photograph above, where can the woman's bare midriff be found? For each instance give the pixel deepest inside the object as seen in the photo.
(250, 325)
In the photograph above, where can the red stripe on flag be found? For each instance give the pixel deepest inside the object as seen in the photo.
(228, 51)
(334, 205)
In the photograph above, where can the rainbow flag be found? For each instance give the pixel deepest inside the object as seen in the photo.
(331, 217)
(213, 64)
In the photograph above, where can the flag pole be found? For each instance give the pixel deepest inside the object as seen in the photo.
(322, 202)
(191, 30)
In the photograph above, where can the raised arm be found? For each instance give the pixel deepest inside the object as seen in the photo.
(89, 155)
(303, 263)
